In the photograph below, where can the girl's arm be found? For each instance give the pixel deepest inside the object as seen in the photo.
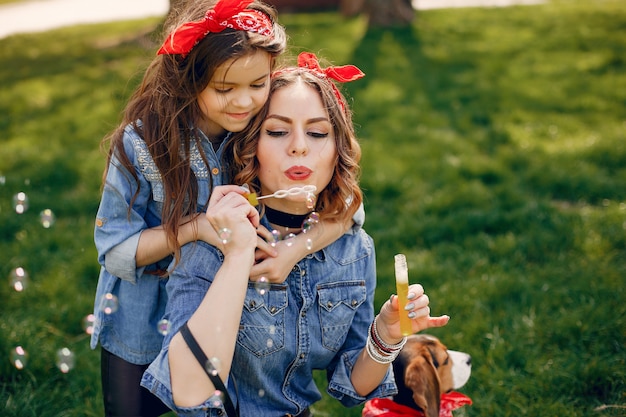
(276, 268)
(367, 373)
(154, 246)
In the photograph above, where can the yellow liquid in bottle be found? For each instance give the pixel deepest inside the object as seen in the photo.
(402, 288)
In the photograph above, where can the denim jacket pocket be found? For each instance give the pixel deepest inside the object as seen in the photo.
(338, 303)
(262, 328)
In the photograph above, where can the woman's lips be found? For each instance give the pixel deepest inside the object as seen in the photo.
(298, 173)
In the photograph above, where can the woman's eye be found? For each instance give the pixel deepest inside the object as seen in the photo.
(275, 133)
(223, 91)
(258, 86)
(318, 135)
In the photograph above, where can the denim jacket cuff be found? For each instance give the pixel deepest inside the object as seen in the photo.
(120, 260)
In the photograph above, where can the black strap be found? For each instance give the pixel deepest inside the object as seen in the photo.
(214, 377)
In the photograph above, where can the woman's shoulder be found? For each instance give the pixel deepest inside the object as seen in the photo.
(199, 259)
(351, 247)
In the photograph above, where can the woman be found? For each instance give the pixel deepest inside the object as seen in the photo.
(322, 316)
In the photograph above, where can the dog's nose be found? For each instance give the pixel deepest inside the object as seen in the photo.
(469, 360)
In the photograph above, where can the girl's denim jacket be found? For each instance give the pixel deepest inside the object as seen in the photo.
(317, 319)
(139, 296)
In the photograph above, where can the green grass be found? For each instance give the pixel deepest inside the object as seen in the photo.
(494, 157)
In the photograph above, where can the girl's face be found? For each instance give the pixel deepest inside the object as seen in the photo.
(237, 91)
(296, 146)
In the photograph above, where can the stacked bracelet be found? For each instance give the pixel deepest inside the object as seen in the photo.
(378, 349)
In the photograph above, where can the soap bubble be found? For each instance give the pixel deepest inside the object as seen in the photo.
(163, 327)
(20, 202)
(47, 218)
(109, 303)
(262, 285)
(88, 323)
(213, 366)
(19, 357)
(312, 220)
(19, 279)
(261, 393)
(65, 360)
(217, 399)
(309, 244)
(224, 235)
(276, 236)
(310, 201)
(289, 239)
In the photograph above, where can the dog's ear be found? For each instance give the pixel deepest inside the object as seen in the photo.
(421, 377)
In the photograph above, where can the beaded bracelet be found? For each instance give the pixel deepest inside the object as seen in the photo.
(381, 344)
(376, 355)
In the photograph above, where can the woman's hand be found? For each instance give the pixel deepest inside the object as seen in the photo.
(418, 310)
(232, 218)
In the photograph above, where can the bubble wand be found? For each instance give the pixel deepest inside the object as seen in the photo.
(254, 200)
(402, 288)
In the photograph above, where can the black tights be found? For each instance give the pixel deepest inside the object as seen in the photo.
(122, 394)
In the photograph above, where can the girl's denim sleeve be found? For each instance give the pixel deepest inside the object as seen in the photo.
(340, 371)
(117, 228)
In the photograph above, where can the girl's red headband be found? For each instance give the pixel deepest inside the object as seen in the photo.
(345, 73)
(226, 14)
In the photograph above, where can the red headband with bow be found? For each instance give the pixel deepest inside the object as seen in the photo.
(344, 73)
(226, 14)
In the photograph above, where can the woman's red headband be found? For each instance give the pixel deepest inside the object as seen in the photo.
(345, 73)
(226, 14)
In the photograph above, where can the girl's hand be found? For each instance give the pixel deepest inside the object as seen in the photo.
(272, 262)
(417, 309)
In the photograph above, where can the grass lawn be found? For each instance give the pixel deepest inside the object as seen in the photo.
(494, 157)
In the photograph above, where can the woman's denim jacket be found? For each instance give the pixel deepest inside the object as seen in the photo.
(317, 319)
(131, 332)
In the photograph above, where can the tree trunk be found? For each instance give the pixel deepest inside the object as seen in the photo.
(386, 13)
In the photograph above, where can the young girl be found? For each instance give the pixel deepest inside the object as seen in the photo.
(209, 78)
(269, 341)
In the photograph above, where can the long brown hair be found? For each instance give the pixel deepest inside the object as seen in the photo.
(342, 196)
(164, 108)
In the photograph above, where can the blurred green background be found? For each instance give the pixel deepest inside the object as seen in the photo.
(494, 157)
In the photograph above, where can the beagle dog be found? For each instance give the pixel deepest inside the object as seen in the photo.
(426, 374)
